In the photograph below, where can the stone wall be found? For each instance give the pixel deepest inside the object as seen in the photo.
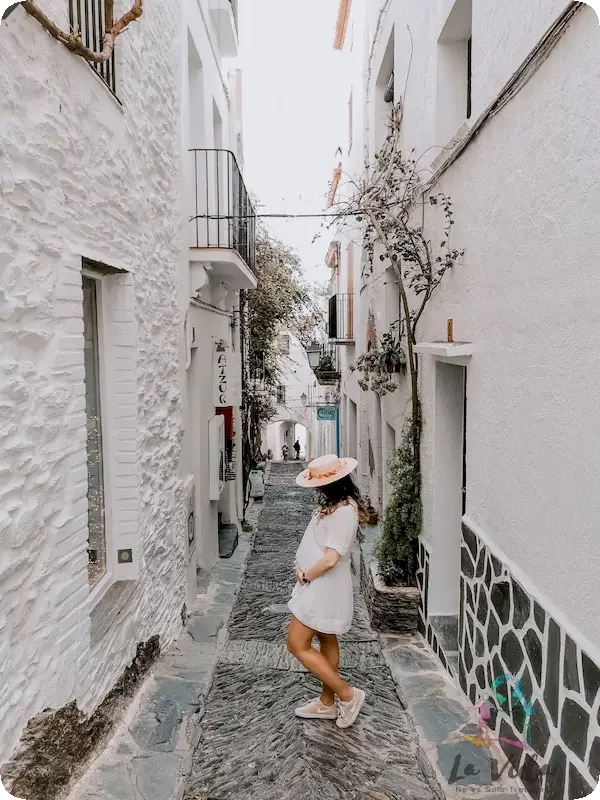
(504, 630)
(83, 174)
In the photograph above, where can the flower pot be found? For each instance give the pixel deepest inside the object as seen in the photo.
(372, 518)
(392, 609)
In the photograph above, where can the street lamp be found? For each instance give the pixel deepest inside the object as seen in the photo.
(303, 398)
(313, 351)
(7, 7)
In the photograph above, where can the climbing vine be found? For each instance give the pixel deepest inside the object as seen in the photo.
(283, 302)
(389, 203)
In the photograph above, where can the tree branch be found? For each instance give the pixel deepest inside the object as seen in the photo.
(74, 42)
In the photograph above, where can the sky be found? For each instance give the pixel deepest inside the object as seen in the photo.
(295, 115)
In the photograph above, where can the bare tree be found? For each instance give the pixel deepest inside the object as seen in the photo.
(73, 39)
(384, 203)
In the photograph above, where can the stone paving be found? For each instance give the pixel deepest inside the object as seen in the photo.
(251, 746)
(150, 754)
(215, 721)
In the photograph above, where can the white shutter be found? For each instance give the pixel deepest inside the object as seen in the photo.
(216, 455)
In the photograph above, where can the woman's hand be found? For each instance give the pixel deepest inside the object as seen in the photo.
(299, 576)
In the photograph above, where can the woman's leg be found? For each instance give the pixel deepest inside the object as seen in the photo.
(300, 645)
(330, 648)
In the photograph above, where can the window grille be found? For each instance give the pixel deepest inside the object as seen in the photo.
(87, 18)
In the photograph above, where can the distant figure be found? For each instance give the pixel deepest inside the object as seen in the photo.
(297, 449)
(285, 451)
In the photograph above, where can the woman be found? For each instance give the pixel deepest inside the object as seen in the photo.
(322, 602)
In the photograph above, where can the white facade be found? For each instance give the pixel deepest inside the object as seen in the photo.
(213, 271)
(97, 184)
(299, 397)
(526, 295)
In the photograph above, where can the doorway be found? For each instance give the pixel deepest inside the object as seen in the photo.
(449, 487)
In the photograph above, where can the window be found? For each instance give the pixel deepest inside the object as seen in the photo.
(454, 84)
(284, 345)
(95, 457)
(281, 395)
(384, 94)
(87, 18)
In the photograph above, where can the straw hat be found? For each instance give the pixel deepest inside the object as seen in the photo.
(324, 470)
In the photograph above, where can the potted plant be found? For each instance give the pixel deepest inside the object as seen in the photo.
(372, 515)
(378, 363)
(388, 579)
(326, 373)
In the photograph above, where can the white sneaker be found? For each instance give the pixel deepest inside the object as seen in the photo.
(317, 710)
(348, 712)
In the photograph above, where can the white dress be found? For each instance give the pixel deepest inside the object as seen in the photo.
(326, 604)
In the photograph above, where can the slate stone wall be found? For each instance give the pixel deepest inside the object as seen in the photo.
(503, 630)
(425, 628)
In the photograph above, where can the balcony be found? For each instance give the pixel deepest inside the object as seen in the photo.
(341, 319)
(223, 225)
(328, 371)
(224, 16)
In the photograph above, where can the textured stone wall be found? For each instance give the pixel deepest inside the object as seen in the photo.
(81, 174)
(503, 630)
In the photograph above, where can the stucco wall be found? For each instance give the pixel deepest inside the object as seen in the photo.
(81, 175)
(526, 294)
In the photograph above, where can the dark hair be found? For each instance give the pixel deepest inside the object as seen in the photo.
(339, 493)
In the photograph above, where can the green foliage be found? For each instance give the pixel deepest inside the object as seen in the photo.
(397, 547)
(376, 363)
(282, 302)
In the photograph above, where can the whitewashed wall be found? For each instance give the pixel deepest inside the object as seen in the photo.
(82, 175)
(211, 112)
(528, 296)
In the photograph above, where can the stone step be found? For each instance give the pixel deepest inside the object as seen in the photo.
(228, 540)
(453, 662)
(446, 630)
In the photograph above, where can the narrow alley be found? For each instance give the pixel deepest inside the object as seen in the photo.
(216, 719)
(258, 684)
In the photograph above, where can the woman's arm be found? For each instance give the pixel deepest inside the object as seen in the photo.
(323, 565)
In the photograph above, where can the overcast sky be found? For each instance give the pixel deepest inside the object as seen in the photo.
(295, 114)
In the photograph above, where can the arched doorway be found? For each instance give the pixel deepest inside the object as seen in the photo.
(281, 432)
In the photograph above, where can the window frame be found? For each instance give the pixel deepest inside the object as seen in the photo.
(104, 346)
(470, 77)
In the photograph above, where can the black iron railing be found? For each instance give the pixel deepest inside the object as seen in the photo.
(328, 372)
(224, 216)
(341, 318)
(87, 19)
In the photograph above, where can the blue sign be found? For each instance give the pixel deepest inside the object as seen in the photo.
(327, 413)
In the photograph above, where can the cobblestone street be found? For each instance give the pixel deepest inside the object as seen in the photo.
(251, 746)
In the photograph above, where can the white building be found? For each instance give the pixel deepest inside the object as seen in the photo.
(299, 397)
(500, 102)
(219, 263)
(107, 386)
